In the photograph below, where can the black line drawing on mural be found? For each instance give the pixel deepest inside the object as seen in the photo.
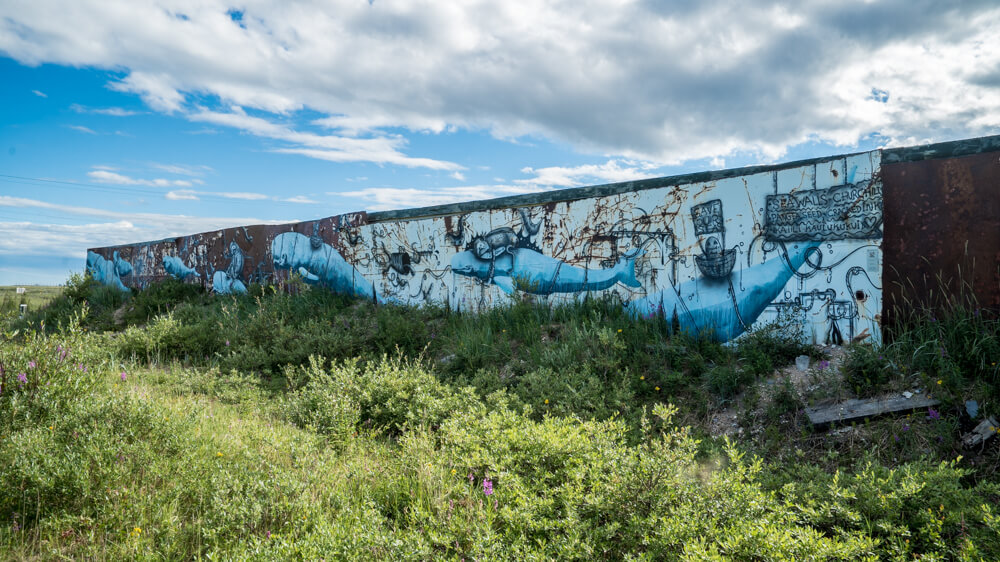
(349, 232)
(458, 237)
(716, 261)
(499, 240)
(841, 212)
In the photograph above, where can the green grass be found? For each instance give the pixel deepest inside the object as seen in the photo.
(313, 426)
(35, 296)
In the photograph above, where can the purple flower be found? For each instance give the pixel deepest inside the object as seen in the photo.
(31, 364)
(22, 378)
(487, 486)
(933, 414)
(227, 343)
(124, 376)
(906, 428)
(824, 364)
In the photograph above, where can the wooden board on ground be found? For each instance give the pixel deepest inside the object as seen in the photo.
(845, 412)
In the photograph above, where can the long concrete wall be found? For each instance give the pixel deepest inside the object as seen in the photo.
(723, 251)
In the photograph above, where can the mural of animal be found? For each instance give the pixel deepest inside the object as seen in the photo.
(716, 305)
(319, 263)
(175, 266)
(223, 284)
(108, 272)
(540, 274)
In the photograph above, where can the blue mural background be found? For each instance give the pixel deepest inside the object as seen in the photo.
(795, 243)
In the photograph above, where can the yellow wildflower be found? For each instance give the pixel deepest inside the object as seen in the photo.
(546, 400)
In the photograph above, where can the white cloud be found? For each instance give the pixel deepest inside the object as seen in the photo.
(458, 176)
(612, 171)
(39, 94)
(380, 150)
(112, 228)
(183, 170)
(192, 195)
(156, 89)
(655, 81)
(104, 175)
(541, 179)
(112, 111)
(82, 129)
(182, 195)
(389, 198)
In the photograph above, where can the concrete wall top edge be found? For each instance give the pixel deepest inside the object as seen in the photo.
(948, 149)
(586, 192)
(888, 156)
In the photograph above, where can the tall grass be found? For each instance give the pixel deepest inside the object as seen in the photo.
(207, 430)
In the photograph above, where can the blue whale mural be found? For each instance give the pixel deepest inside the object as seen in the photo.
(108, 272)
(319, 263)
(719, 305)
(541, 275)
(175, 266)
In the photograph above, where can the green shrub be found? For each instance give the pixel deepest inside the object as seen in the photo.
(866, 369)
(160, 298)
(389, 395)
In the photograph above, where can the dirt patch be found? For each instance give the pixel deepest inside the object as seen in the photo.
(819, 383)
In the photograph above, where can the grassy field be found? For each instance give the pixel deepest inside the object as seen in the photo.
(35, 296)
(175, 425)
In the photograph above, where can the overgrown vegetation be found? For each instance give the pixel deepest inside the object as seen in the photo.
(176, 424)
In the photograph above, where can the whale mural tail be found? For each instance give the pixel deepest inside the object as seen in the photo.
(626, 267)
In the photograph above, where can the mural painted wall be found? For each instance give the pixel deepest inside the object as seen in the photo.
(725, 252)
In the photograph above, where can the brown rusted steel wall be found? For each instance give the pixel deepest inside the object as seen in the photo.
(942, 227)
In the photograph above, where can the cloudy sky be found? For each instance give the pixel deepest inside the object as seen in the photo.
(133, 120)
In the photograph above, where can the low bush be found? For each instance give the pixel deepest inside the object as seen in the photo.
(387, 396)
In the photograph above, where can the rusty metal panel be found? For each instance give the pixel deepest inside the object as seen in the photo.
(942, 229)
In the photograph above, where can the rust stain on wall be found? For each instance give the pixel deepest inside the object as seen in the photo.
(942, 231)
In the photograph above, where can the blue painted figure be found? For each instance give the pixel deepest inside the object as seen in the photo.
(108, 272)
(319, 263)
(716, 305)
(175, 266)
(540, 274)
(223, 284)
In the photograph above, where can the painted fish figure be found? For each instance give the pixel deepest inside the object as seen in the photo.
(720, 305)
(108, 272)
(175, 266)
(541, 275)
(320, 265)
